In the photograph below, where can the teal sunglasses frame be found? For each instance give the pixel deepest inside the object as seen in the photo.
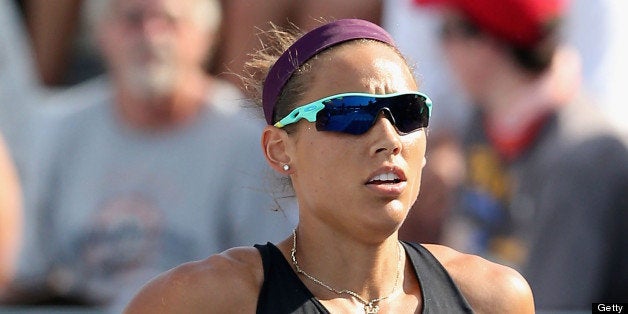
(310, 111)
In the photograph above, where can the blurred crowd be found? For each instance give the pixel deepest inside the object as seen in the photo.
(127, 145)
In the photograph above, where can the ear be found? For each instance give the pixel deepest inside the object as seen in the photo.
(276, 148)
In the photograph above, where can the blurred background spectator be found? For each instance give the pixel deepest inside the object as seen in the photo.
(152, 165)
(546, 176)
(601, 45)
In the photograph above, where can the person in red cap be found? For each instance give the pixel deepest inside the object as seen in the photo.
(547, 177)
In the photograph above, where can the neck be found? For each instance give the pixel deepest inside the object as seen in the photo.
(162, 111)
(370, 270)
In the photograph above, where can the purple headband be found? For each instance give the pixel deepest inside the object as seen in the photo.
(308, 46)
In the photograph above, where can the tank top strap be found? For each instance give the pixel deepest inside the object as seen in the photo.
(282, 290)
(265, 254)
(440, 292)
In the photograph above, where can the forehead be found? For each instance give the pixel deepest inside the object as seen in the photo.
(171, 7)
(361, 66)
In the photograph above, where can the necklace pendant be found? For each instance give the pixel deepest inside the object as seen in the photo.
(371, 309)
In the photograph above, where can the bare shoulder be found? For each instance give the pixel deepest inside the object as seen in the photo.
(489, 287)
(225, 282)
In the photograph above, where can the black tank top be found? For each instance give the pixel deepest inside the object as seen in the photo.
(283, 291)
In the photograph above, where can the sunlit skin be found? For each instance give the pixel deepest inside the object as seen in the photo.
(511, 99)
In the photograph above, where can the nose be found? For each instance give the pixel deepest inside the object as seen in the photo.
(385, 112)
(154, 27)
(387, 139)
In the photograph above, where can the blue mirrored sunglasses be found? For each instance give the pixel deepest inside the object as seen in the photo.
(355, 113)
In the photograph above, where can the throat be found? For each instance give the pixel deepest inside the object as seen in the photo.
(370, 305)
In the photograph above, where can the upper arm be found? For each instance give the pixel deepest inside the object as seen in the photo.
(227, 282)
(487, 286)
(508, 292)
(172, 292)
(10, 216)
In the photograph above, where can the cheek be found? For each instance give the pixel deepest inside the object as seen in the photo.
(321, 161)
(414, 145)
(193, 45)
(110, 43)
(414, 154)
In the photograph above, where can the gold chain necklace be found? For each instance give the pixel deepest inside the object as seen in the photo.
(370, 306)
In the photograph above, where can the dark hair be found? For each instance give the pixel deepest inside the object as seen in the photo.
(538, 58)
(534, 59)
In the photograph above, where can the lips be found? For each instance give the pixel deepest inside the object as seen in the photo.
(389, 182)
(387, 175)
(385, 178)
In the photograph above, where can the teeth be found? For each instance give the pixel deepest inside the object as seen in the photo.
(385, 177)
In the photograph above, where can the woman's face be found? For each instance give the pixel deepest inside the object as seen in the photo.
(342, 180)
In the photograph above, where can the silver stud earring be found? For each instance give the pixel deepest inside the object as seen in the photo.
(286, 167)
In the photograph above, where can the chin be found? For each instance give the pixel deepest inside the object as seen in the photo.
(391, 217)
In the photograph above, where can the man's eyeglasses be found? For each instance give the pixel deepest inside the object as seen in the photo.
(355, 113)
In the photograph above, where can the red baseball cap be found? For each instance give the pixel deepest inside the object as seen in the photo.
(518, 22)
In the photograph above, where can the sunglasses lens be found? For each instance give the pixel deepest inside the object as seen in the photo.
(347, 115)
(356, 114)
(410, 113)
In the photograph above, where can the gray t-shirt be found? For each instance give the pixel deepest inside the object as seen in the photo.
(108, 207)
